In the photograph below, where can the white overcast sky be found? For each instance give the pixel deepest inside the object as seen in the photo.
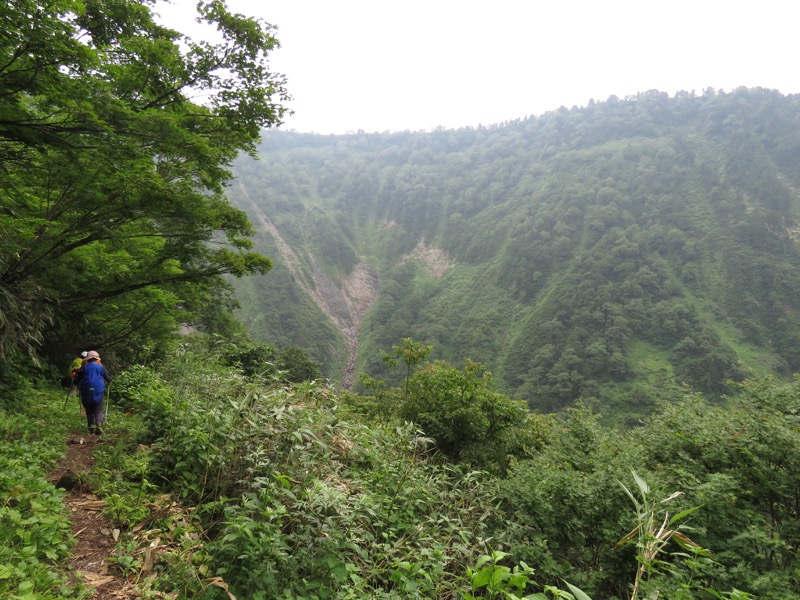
(388, 65)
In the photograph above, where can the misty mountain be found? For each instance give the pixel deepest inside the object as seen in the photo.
(608, 254)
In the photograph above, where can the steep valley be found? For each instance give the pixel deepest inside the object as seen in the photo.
(608, 255)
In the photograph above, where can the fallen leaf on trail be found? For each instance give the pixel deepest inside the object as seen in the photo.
(94, 579)
(148, 561)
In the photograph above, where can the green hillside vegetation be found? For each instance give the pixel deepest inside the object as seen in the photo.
(227, 485)
(568, 244)
(585, 263)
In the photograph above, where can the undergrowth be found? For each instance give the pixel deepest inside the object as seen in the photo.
(34, 529)
(295, 501)
(225, 487)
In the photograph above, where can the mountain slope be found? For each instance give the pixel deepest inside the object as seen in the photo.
(607, 253)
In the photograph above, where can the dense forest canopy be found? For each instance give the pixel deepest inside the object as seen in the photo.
(608, 253)
(116, 140)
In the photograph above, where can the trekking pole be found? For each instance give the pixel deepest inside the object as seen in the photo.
(108, 400)
(70, 389)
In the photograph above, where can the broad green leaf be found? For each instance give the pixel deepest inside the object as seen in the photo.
(483, 577)
(683, 514)
(577, 592)
(643, 487)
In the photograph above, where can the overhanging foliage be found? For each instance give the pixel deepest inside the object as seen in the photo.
(116, 139)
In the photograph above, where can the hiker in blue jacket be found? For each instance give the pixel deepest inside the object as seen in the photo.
(91, 381)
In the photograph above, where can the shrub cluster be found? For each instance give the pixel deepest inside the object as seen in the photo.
(298, 500)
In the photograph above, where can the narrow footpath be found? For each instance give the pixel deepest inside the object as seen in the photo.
(95, 533)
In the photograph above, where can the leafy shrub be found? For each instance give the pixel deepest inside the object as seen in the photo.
(13, 380)
(455, 407)
(253, 359)
(143, 390)
(741, 464)
(568, 510)
(297, 366)
(266, 363)
(361, 517)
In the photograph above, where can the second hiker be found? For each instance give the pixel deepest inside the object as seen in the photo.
(91, 381)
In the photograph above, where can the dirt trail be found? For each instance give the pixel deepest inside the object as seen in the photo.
(94, 532)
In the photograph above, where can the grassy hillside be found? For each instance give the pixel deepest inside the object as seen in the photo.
(563, 252)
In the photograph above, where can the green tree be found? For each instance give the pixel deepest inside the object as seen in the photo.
(468, 421)
(297, 365)
(114, 172)
(410, 353)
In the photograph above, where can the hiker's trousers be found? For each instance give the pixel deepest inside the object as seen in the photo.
(95, 416)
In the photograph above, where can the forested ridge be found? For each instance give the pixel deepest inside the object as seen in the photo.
(607, 253)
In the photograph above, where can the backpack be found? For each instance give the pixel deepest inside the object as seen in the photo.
(93, 384)
(76, 364)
